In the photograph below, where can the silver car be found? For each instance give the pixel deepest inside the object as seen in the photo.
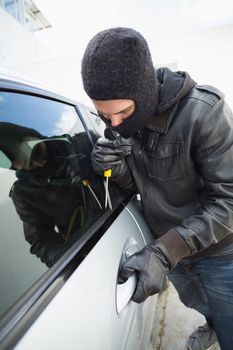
(64, 231)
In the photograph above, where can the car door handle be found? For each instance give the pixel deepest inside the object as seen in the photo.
(124, 291)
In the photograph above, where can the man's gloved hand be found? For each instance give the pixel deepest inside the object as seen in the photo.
(108, 154)
(151, 265)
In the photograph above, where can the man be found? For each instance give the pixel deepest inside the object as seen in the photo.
(181, 163)
(51, 195)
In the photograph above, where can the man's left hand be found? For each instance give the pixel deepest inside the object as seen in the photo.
(151, 266)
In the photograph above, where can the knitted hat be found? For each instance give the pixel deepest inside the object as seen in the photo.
(117, 64)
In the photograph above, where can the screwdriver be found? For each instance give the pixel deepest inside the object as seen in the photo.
(86, 183)
(109, 134)
(107, 175)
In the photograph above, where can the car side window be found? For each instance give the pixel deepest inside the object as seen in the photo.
(50, 195)
(94, 121)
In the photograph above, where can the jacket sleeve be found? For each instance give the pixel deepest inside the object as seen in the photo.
(45, 242)
(213, 155)
(124, 179)
(39, 232)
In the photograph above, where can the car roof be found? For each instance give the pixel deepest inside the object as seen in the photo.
(17, 82)
(9, 75)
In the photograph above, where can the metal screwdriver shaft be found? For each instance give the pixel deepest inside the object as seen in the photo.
(107, 174)
(86, 183)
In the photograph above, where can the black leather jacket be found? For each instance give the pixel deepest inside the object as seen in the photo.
(182, 166)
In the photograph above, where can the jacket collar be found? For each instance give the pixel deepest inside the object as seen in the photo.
(173, 86)
(161, 122)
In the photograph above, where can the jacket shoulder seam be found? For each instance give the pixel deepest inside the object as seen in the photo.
(203, 121)
(206, 94)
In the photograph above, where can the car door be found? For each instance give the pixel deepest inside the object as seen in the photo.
(69, 297)
(91, 310)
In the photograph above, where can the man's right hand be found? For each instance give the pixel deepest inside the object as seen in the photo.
(108, 154)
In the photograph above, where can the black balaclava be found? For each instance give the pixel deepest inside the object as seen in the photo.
(12, 135)
(117, 64)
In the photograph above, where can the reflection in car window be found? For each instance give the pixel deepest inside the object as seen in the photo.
(50, 195)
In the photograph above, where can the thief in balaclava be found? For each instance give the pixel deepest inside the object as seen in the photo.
(117, 65)
(174, 149)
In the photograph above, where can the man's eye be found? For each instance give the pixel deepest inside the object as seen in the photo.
(127, 110)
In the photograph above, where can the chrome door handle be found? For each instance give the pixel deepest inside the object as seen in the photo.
(134, 248)
(125, 290)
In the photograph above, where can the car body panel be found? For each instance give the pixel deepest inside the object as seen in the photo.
(84, 312)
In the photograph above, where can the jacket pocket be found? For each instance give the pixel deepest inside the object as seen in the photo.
(164, 162)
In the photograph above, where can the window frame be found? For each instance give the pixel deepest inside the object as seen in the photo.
(25, 311)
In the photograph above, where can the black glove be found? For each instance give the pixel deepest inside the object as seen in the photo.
(108, 154)
(151, 265)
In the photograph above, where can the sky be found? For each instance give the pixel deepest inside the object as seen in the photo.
(75, 22)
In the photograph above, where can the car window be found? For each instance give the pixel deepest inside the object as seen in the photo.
(94, 121)
(49, 194)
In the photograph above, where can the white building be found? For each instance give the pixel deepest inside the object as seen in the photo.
(207, 55)
(26, 13)
(19, 19)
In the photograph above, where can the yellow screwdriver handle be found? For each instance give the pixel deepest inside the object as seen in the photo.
(108, 173)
